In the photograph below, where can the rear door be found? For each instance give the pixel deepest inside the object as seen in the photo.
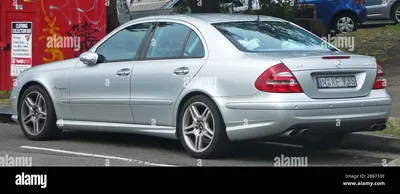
(376, 8)
(175, 53)
(333, 76)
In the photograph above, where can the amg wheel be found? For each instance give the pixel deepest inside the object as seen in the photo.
(201, 129)
(36, 115)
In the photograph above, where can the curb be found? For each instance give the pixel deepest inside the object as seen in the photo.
(371, 142)
(5, 114)
(395, 162)
(5, 118)
(5, 109)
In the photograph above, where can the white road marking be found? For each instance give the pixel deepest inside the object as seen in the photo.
(95, 156)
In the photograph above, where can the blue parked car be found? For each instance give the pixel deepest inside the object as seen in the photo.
(340, 15)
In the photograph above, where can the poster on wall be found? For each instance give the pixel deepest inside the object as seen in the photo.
(21, 47)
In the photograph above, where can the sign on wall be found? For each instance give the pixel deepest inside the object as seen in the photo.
(21, 47)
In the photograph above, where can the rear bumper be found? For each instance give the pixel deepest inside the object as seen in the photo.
(361, 13)
(253, 120)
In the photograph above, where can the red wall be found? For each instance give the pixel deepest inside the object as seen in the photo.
(63, 18)
(58, 19)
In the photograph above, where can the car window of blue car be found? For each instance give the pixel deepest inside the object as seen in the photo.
(124, 44)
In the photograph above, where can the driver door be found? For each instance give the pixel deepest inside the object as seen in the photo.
(101, 92)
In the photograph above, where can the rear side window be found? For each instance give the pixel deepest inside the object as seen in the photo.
(264, 36)
(168, 40)
(194, 47)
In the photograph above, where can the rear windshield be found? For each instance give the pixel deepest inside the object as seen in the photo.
(264, 36)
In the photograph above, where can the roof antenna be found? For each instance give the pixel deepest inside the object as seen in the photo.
(258, 14)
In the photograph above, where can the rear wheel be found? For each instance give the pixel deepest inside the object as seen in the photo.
(395, 14)
(201, 129)
(345, 22)
(36, 115)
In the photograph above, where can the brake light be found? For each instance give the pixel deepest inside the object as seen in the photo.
(358, 1)
(278, 79)
(380, 81)
(336, 57)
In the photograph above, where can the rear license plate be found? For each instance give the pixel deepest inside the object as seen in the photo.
(337, 82)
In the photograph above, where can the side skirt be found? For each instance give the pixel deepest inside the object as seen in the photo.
(151, 130)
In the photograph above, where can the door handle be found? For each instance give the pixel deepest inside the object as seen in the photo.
(123, 72)
(181, 71)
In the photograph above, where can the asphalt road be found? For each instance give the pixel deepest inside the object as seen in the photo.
(109, 149)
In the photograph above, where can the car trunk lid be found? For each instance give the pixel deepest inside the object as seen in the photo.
(327, 75)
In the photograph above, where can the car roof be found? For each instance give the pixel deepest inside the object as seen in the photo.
(213, 17)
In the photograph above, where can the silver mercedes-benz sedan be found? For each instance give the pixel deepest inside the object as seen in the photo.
(207, 80)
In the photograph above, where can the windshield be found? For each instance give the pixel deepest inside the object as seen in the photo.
(263, 36)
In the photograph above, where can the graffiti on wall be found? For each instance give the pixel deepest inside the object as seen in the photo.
(72, 27)
(87, 33)
(52, 31)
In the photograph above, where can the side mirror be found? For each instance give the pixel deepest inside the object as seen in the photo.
(89, 58)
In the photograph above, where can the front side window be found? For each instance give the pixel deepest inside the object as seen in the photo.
(124, 44)
(264, 36)
(168, 40)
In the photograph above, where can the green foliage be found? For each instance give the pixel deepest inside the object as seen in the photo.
(281, 9)
(182, 7)
(278, 8)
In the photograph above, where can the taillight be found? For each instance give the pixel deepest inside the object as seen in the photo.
(358, 1)
(278, 79)
(380, 81)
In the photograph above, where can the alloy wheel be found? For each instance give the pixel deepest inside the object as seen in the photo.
(198, 127)
(34, 113)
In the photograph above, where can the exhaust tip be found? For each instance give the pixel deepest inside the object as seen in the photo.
(378, 127)
(304, 132)
(294, 133)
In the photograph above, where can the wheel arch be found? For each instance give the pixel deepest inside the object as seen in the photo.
(392, 7)
(183, 100)
(345, 11)
(29, 84)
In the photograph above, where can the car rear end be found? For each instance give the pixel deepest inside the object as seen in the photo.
(360, 9)
(320, 89)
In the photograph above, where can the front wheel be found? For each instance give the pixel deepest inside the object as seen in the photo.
(201, 129)
(36, 115)
(344, 23)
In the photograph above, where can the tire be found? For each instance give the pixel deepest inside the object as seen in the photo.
(396, 8)
(47, 128)
(324, 141)
(345, 17)
(216, 147)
